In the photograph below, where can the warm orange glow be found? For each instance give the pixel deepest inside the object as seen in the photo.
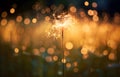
(42, 49)
(63, 60)
(16, 50)
(55, 58)
(95, 18)
(85, 56)
(112, 44)
(12, 10)
(73, 9)
(4, 14)
(82, 14)
(34, 20)
(112, 56)
(105, 52)
(68, 65)
(48, 59)
(86, 28)
(19, 18)
(27, 21)
(50, 51)
(66, 53)
(92, 33)
(95, 12)
(47, 18)
(69, 45)
(4, 22)
(36, 52)
(90, 12)
(75, 64)
(84, 51)
(86, 3)
(75, 69)
(117, 18)
(23, 48)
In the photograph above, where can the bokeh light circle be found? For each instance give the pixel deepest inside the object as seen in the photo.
(50, 51)
(4, 14)
(73, 9)
(69, 45)
(84, 51)
(16, 50)
(12, 10)
(4, 22)
(19, 18)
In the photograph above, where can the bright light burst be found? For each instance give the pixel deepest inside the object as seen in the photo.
(81, 28)
(64, 22)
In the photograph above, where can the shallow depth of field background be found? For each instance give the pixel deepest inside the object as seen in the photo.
(59, 38)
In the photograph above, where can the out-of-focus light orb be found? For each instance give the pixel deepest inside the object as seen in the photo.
(112, 44)
(12, 10)
(34, 20)
(68, 65)
(16, 50)
(69, 45)
(95, 18)
(112, 56)
(23, 48)
(86, 3)
(36, 52)
(48, 58)
(90, 12)
(19, 18)
(75, 64)
(85, 56)
(105, 52)
(27, 21)
(55, 58)
(63, 60)
(73, 9)
(94, 5)
(47, 18)
(75, 70)
(47, 10)
(4, 22)
(4, 14)
(82, 14)
(43, 11)
(50, 51)
(84, 51)
(95, 12)
(66, 53)
(42, 49)
(60, 72)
